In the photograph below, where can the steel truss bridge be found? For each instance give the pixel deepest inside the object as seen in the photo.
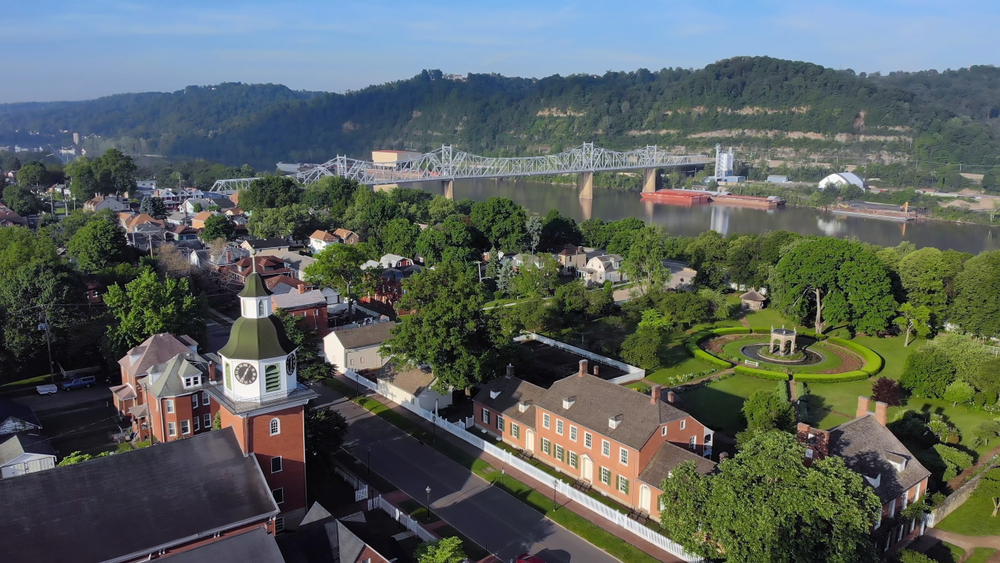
(447, 165)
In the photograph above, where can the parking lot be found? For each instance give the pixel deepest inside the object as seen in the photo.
(78, 420)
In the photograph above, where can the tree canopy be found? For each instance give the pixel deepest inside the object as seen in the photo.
(97, 245)
(269, 191)
(148, 305)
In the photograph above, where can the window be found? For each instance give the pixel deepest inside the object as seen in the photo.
(171, 429)
(572, 433)
(208, 421)
(279, 525)
(683, 424)
(559, 427)
(500, 423)
(588, 440)
(275, 426)
(606, 448)
(545, 420)
(272, 378)
(691, 443)
(279, 495)
(546, 449)
(352, 361)
(260, 309)
(560, 453)
(574, 460)
(194, 401)
(229, 377)
(663, 431)
(486, 416)
(276, 464)
(204, 398)
(606, 476)
(515, 431)
(185, 427)
(170, 406)
(197, 424)
(623, 484)
(623, 456)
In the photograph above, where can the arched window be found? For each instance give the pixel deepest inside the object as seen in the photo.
(275, 426)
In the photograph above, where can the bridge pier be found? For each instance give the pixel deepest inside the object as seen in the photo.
(649, 178)
(586, 185)
(449, 188)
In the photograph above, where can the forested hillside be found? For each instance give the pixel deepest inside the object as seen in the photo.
(786, 108)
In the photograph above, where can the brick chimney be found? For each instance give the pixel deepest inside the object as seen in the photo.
(211, 371)
(671, 397)
(583, 368)
(510, 370)
(863, 405)
(654, 394)
(597, 369)
(302, 288)
(881, 412)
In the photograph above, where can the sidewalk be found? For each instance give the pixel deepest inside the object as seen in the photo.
(563, 502)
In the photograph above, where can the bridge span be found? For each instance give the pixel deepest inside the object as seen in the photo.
(447, 165)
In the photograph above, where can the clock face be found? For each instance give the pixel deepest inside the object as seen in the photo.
(290, 365)
(246, 373)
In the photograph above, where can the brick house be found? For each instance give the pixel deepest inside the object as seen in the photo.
(307, 305)
(871, 449)
(619, 442)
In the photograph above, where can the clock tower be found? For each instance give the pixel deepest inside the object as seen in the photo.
(261, 399)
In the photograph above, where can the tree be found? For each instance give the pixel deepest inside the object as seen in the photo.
(196, 207)
(78, 457)
(115, 172)
(986, 431)
(976, 308)
(282, 222)
(307, 343)
(11, 163)
(21, 200)
(765, 411)
(989, 486)
(83, 182)
(885, 390)
(954, 459)
(644, 263)
(927, 372)
(505, 276)
(369, 213)
(502, 221)
(31, 176)
(269, 191)
(708, 256)
(601, 301)
(536, 276)
(533, 230)
(911, 556)
(339, 267)
(148, 305)
(642, 347)
(445, 550)
(325, 432)
(332, 193)
(97, 245)
(913, 319)
(823, 512)
(924, 276)
(558, 231)
(154, 207)
(958, 392)
(449, 330)
(943, 429)
(216, 227)
(399, 236)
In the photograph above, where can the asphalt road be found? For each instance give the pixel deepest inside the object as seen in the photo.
(489, 516)
(64, 400)
(217, 335)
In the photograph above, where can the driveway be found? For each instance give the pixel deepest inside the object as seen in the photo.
(490, 517)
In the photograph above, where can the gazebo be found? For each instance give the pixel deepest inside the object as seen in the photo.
(782, 338)
(753, 300)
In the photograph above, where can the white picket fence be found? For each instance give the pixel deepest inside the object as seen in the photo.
(617, 517)
(401, 517)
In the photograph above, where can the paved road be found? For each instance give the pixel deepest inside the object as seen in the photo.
(217, 335)
(64, 400)
(487, 515)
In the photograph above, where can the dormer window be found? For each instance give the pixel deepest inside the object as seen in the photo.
(523, 406)
(614, 421)
(568, 402)
(874, 481)
(494, 394)
(897, 461)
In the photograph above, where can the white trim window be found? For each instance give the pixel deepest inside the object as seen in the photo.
(622, 484)
(683, 424)
(197, 423)
(171, 429)
(276, 464)
(572, 433)
(170, 406)
(546, 420)
(559, 427)
(623, 456)
(606, 476)
(275, 427)
(185, 427)
(693, 443)
(605, 448)
(515, 431)
(204, 398)
(208, 421)
(500, 423)
(588, 440)
(194, 401)
(485, 417)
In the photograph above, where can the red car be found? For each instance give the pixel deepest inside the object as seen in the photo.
(525, 558)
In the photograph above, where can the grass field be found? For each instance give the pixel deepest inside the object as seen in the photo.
(718, 404)
(892, 350)
(980, 555)
(973, 518)
(767, 318)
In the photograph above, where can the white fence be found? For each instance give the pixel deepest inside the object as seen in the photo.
(632, 373)
(401, 517)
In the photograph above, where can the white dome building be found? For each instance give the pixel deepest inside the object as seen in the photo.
(842, 179)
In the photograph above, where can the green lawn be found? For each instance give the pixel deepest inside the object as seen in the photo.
(718, 404)
(981, 555)
(767, 318)
(944, 552)
(830, 360)
(892, 350)
(972, 518)
(833, 403)
(688, 366)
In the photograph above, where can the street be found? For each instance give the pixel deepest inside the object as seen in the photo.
(489, 516)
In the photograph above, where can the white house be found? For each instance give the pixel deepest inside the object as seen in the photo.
(23, 453)
(100, 203)
(394, 261)
(603, 268)
(412, 388)
(319, 240)
(356, 348)
(843, 179)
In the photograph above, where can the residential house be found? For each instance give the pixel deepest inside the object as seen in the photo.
(258, 245)
(177, 399)
(164, 513)
(362, 537)
(411, 387)
(573, 258)
(183, 234)
(198, 221)
(294, 261)
(266, 266)
(600, 269)
(887, 466)
(521, 260)
(394, 261)
(220, 204)
(609, 437)
(16, 418)
(135, 366)
(284, 284)
(752, 300)
(357, 348)
(308, 306)
(100, 203)
(223, 260)
(10, 219)
(346, 236)
(319, 240)
(389, 288)
(25, 453)
(195, 205)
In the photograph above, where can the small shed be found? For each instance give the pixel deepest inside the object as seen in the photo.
(753, 300)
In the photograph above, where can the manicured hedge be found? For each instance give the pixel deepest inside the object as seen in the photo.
(691, 344)
(831, 377)
(873, 362)
(761, 373)
(729, 330)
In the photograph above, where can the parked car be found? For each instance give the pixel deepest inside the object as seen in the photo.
(78, 382)
(525, 558)
(46, 389)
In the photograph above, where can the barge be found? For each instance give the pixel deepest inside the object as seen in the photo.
(770, 202)
(686, 198)
(871, 210)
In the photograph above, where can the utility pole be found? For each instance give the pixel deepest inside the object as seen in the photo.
(48, 343)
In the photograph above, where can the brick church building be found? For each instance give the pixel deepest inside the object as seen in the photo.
(172, 392)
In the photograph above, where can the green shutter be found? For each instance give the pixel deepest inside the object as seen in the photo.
(272, 378)
(229, 377)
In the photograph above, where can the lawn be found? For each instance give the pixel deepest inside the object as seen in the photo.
(981, 555)
(718, 405)
(972, 518)
(688, 366)
(944, 552)
(830, 360)
(892, 350)
(833, 403)
(767, 318)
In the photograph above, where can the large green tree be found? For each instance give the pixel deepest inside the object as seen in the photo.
(502, 221)
(765, 410)
(928, 277)
(399, 236)
(449, 329)
(115, 172)
(369, 213)
(154, 207)
(927, 372)
(32, 175)
(976, 309)
(21, 200)
(339, 267)
(149, 305)
(216, 227)
(325, 433)
(765, 504)
(269, 191)
(445, 550)
(643, 265)
(83, 182)
(282, 222)
(97, 245)
(332, 193)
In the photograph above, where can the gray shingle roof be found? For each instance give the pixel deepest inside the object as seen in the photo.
(170, 381)
(597, 400)
(512, 391)
(156, 349)
(867, 448)
(22, 443)
(255, 546)
(9, 409)
(365, 335)
(165, 493)
(413, 381)
(667, 458)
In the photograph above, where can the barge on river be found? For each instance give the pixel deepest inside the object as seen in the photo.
(886, 212)
(689, 198)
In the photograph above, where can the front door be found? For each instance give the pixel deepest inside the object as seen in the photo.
(586, 469)
(529, 440)
(645, 498)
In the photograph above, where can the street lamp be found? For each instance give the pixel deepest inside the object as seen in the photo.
(428, 504)
(555, 504)
(503, 471)
(369, 461)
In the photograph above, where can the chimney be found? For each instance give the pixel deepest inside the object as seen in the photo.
(302, 288)
(881, 412)
(671, 397)
(510, 370)
(597, 369)
(211, 371)
(863, 404)
(583, 368)
(654, 394)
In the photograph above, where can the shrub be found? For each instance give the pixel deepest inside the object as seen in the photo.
(642, 348)
(886, 391)
(831, 377)
(979, 400)
(954, 459)
(800, 388)
(782, 388)
(730, 330)
(762, 373)
(927, 372)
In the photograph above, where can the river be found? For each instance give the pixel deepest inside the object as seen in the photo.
(612, 205)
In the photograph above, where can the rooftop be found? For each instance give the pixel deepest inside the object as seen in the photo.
(363, 336)
(255, 546)
(667, 458)
(9, 409)
(262, 243)
(506, 395)
(22, 443)
(296, 300)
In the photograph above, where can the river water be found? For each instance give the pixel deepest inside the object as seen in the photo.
(612, 205)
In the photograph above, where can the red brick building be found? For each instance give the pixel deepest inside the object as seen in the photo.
(619, 442)
(309, 306)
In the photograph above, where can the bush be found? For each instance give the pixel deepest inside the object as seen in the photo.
(762, 373)
(782, 388)
(873, 362)
(887, 391)
(729, 330)
(642, 348)
(831, 377)
(927, 372)
(800, 388)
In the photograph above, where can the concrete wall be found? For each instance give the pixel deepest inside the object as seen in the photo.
(957, 498)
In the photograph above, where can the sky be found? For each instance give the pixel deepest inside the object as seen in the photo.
(73, 50)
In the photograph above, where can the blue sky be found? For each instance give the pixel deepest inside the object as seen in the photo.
(71, 50)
